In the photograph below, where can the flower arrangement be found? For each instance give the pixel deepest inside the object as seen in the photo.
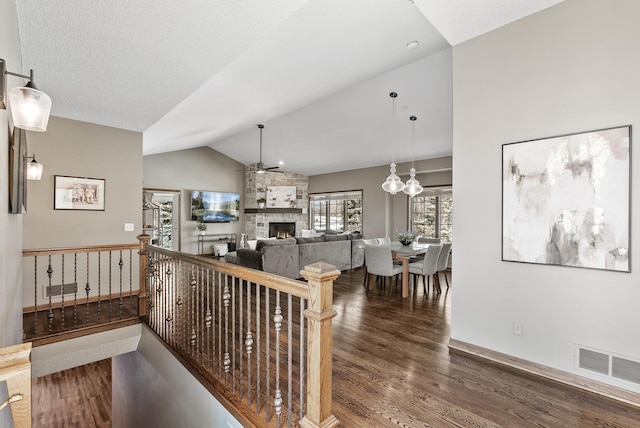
(202, 226)
(405, 238)
(261, 202)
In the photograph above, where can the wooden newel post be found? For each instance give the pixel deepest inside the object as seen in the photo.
(319, 314)
(142, 294)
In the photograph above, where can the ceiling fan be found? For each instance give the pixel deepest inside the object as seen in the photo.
(260, 168)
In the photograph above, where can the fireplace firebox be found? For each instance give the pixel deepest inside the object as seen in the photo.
(282, 229)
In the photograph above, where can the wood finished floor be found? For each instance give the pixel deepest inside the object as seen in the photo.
(391, 367)
(78, 397)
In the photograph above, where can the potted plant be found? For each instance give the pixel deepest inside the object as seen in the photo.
(202, 227)
(405, 238)
(261, 202)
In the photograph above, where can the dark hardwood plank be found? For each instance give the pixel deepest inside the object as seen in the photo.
(392, 367)
(78, 397)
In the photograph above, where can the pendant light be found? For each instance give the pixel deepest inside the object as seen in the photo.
(412, 187)
(393, 184)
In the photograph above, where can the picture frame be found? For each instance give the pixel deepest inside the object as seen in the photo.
(281, 197)
(566, 200)
(78, 193)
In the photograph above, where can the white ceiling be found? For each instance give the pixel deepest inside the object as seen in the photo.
(317, 73)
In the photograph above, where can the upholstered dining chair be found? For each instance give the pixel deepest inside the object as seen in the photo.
(379, 262)
(443, 262)
(426, 267)
(423, 240)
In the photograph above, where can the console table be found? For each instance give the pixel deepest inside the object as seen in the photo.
(218, 238)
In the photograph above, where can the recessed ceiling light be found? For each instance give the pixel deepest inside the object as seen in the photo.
(413, 44)
(281, 163)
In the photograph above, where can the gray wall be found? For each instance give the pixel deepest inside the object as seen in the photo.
(10, 224)
(383, 214)
(164, 392)
(81, 149)
(570, 68)
(196, 169)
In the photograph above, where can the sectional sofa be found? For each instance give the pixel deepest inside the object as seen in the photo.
(287, 257)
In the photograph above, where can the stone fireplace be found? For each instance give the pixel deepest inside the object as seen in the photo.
(282, 229)
(257, 221)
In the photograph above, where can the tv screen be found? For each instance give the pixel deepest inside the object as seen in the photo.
(212, 207)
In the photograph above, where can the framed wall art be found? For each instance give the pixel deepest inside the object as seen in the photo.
(78, 193)
(281, 197)
(566, 200)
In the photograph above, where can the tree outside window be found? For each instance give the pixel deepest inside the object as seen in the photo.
(432, 216)
(336, 211)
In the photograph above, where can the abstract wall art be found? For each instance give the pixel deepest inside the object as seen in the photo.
(566, 200)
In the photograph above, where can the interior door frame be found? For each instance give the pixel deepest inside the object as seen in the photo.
(176, 210)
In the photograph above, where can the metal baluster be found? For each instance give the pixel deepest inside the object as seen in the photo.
(207, 320)
(110, 272)
(120, 300)
(75, 293)
(277, 324)
(87, 289)
(99, 285)
(289, 357)
(258, 348)
(193, 312)
(62, 296)
(267, 351)
(303, 360)
(50, 310)
(131, 281)
(226, 296)
(240, 285)
(35, 295)
(220, 309)
(248, 343)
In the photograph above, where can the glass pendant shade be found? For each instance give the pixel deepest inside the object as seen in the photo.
(30, 108)
(393, 184)
(34, 170)
(412, 187)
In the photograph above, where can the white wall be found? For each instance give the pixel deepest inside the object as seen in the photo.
(152, 389)
(196, 169)
(570, 68)
(375, 200)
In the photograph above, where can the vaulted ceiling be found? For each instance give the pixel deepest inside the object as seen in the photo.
(317, 73)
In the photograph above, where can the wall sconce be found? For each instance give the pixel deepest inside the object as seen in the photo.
(30, 108)
(34, 169)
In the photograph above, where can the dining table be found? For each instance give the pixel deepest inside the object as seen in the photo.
(403, 253)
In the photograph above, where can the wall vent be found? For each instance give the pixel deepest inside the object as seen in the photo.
(608, 364)
(56, 290)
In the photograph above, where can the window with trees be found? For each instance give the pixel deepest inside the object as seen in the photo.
(337, 211)
(432, 215)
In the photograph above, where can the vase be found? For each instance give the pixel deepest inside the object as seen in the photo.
(242, 242)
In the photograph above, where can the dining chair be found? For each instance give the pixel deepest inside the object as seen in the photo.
(426, 268)
(379, 262)
(443, 262)
(384, 241)
(423, 240)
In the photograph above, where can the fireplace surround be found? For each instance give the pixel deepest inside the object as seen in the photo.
(282, 229)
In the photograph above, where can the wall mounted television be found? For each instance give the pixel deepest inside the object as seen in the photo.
(212, 207)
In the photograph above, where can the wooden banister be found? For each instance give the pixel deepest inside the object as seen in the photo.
(142, 295)
(319, 345)
(15, 369)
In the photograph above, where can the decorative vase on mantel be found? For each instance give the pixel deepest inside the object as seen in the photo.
(261, 203)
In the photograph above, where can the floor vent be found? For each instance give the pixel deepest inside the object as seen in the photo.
(609, 364)
(56, 290)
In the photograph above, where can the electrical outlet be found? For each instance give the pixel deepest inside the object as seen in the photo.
(128, 227)
(517, 328)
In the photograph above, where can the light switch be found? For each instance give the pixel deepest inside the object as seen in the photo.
(128, 227)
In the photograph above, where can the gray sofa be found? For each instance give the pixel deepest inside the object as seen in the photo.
(287, 257)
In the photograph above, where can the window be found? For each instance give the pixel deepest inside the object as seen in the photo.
(432, 215)
(339, 211)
